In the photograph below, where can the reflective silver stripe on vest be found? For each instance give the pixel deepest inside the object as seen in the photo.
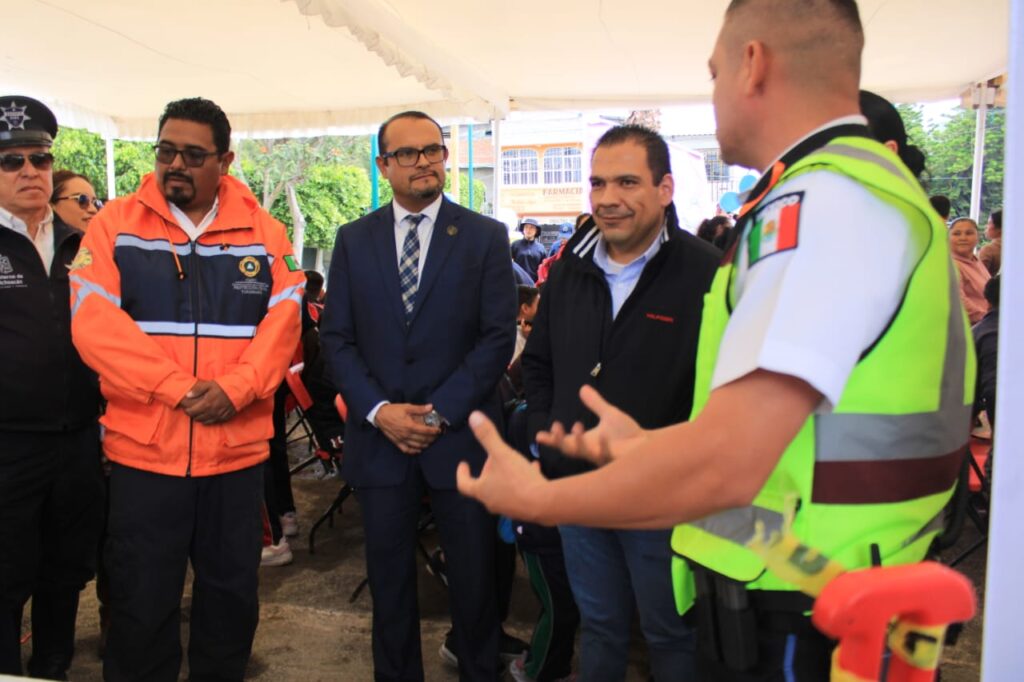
(289, 294)
(739, 525)
(172, 328)
(86, 289)
(859, 154)
(935, 525)
(230, 331)
(878, 437)
(873, 437)
(150, 244)
(952, 391)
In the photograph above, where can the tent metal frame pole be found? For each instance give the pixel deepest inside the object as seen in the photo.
(111, 173)
(1002, 655)
(981, 91)
(469, 161)
(374, 175)
(496, 176)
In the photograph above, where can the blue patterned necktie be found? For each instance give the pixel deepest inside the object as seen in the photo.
(409, 264)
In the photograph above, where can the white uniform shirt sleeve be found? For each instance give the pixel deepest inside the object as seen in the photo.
(811, 311)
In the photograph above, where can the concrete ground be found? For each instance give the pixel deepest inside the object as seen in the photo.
(309, 631)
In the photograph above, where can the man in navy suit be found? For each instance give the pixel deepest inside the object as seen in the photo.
(418, 327)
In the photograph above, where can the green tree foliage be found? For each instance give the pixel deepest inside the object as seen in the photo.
(330, 196)
(132, 160)
(82, 152)
(949, 147)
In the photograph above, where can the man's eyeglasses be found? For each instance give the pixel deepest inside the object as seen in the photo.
(83, 201)
(409, 156)
(13, 162)
(192, 156)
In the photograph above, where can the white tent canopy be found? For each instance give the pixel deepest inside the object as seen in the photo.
(305, 66)
(314, 66)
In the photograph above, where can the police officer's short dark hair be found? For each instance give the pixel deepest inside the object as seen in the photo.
(314, 284)
(992, 291)
(997, 219)
(942, 205)
(846, 9)
(405, 114)
(201, 110)
(657, 149)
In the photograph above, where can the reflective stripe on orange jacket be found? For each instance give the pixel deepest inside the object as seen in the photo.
(226, 309)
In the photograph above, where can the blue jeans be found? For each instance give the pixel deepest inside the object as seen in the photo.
(611, 571)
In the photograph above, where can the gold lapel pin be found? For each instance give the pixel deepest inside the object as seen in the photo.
(452, 230)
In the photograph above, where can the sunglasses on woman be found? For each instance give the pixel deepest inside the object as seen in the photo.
(83, 201)
(14, 162)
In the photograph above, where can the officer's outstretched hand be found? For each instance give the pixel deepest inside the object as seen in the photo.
(615, 434)
(508, 484)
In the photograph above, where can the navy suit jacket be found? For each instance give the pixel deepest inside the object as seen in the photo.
(451, 355)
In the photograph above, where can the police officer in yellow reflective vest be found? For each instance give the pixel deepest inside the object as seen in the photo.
(835, 369)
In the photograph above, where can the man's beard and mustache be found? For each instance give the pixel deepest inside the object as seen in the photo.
(178, 195)
(427, 193)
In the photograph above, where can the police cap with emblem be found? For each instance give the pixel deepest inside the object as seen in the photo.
(25, 122)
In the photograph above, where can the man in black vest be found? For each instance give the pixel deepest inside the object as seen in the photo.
(51, 494)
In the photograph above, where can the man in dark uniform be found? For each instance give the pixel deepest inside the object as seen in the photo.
(528, 252)
(50, 484)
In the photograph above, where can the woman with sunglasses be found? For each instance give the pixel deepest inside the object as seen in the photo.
(74, 199)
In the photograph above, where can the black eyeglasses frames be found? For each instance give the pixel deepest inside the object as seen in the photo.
(193, 157)
(410, 156)
(10, 163)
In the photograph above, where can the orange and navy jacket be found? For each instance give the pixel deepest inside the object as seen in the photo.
(153, 313)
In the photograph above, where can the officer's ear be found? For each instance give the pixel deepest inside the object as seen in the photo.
(893, 146)
(755, 67)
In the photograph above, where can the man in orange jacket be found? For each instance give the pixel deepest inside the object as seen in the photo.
(185, 300)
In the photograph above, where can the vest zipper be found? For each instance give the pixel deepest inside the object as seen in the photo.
(196, 315)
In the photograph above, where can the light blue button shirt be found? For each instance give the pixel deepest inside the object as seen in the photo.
(621, 278)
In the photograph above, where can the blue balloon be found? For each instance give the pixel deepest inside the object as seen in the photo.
(730, 202)
(747, 182)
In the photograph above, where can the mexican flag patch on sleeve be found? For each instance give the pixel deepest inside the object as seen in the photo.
(289, 260)
(776, 227)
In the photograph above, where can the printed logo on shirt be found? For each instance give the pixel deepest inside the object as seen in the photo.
(9, 279)
(249, 266)
(776, 227)
(660, 318)
(82, 259)
(289, 260)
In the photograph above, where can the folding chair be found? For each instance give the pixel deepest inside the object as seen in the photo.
(299, 401)
(343, 494)
(969, 501)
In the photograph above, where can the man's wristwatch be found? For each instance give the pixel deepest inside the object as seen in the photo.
(434, 418)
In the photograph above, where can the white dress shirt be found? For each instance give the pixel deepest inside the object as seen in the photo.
(43, 241)
(191, 229)
(424, 231)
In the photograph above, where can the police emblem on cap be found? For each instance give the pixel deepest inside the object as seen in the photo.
(249, 266)
(14, 116)
(25, 122)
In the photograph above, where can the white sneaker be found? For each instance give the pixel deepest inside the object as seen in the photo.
(289, 524)
(277, 555)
